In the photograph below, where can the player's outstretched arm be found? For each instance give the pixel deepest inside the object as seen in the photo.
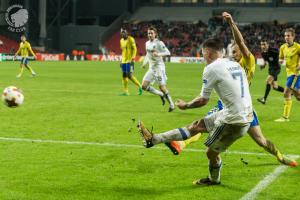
(195, 103)
(238, 38)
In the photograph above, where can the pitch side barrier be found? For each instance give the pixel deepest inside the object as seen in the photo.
(104, 58)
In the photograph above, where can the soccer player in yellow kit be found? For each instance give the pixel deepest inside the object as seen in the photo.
(129, 50)
(245, 58)
(289, 54)
(24, 51)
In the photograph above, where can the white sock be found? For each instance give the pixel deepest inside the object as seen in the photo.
(214, 172)
(154, 91)
(178, 134)
(169, 99)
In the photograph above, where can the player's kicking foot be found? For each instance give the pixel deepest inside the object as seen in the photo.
(174, 146)
(140, 91)
(18, 76)
(145, 134)
(282, 119)
(163, 100)
(33, 74)
(262, 100)
(288, 161)
(205, 182)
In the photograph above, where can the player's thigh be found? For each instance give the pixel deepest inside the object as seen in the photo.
(161, 77)
(224, 135)
(149, 76)
(125, 67)
(297, 84)
(23, 61)
(291, 81)
(270, 79)
(274, 73)
(255, 121)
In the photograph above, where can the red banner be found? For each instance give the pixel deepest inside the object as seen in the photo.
(107, 57)
(50, 57)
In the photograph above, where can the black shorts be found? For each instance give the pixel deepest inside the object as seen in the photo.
(274, 73)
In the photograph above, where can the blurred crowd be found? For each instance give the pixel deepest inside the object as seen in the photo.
(185, 39)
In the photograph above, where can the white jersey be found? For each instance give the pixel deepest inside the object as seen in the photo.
(155, 61)
(229, 81)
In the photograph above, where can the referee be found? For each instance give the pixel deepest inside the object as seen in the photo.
(270, 56)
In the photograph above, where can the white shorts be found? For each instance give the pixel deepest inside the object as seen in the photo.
(222, 135)
(158, 75)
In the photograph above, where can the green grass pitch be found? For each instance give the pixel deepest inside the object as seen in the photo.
(78, 101)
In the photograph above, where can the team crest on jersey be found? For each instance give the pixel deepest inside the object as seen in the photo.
(204, 81)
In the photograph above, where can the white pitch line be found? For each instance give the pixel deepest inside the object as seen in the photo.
(121, 145)
(264, 183)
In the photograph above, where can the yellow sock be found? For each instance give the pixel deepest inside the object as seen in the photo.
(135, 81)
(125, 84)
(192, 139)
(287, 108)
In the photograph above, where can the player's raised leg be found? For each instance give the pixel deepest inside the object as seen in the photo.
(177, 146)
(257, 135)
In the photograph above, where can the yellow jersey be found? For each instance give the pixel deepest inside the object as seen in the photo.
(291, 56)
(249, 66)
(24, 49)
(128, 48)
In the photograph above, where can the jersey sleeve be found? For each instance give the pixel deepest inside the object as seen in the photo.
(163, 50)
(281, 56)
(209, 80)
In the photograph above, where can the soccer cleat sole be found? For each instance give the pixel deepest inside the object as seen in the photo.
(145, 134)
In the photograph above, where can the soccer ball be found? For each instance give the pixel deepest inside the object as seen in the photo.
(12, 96)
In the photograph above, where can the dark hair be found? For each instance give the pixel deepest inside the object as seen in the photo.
(290, 30)
(264, 40)
(214, 43)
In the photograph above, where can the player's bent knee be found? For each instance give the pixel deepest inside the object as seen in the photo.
(196, 127)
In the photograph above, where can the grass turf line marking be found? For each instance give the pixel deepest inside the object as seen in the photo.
(122, 145)
(264, 183)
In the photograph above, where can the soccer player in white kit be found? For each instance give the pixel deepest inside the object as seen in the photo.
(156, 49)
(229, 81)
